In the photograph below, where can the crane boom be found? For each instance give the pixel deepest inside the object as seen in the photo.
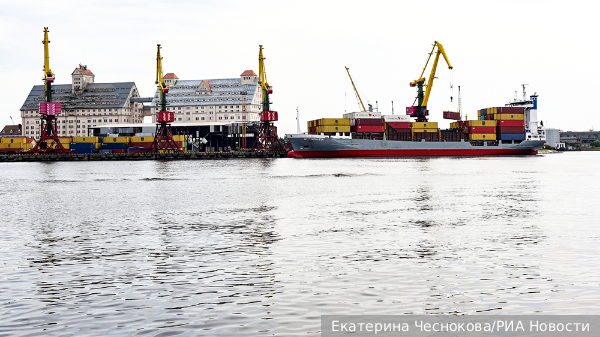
(262, 80)
(161, 81)
(433, 69)
(48, 74)
(356, 91)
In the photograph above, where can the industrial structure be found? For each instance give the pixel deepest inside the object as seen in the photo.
(266, 139)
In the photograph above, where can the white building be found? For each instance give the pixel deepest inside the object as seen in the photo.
(84, 104)
(216, 101)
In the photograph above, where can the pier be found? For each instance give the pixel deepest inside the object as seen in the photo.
(137, 156)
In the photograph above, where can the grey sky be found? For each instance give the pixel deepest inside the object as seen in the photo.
(494, 47)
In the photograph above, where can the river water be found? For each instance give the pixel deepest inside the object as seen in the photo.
(265, 247)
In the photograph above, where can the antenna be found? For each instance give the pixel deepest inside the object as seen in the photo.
(524, 95)
(298, 121)
(377, 105)
(392, 107)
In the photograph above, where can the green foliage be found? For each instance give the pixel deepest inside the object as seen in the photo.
(595, 143)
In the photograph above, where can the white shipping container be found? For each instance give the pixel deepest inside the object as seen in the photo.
(396, 118)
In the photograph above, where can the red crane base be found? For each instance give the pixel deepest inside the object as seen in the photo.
(163, 139)
(48, 142)
(267, 139)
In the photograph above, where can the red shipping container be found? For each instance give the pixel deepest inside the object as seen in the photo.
(399, 125)
(367, 128)
(118, 151)
(451, 115)
(140, 144)
(513, 110)
(369, 121)
(482, 129)
(511, 123)
(511, 129)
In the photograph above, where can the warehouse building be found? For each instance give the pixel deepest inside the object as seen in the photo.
(85, 104)
(212, 102)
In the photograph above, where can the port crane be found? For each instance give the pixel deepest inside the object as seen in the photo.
(48, 142)
(163, 137)
(266, 139)
(420, 110)
(356, 91)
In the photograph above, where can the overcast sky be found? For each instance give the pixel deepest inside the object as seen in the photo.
(494, 47)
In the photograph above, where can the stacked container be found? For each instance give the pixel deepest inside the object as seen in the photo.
(425, 130)
(511, 123)
(14, 144)
(397, 127)
(369, 125)
(114, 145)
(84, 145)
(482, 130)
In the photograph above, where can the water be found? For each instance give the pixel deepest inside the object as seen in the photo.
(264, 247)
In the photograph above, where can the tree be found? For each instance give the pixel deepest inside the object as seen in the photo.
(595, 143)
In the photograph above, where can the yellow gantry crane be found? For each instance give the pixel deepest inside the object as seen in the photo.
(423, 98)
(262, 80)
(356, 91)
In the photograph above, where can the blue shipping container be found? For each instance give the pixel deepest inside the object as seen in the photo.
(83, 145)
(104, 151)
(113, 146)
(512, 136)
(83, 150)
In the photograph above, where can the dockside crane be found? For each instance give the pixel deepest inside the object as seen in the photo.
(266, 139)
(420, 110)
(48, 142)
(356, 91)
(163, 137)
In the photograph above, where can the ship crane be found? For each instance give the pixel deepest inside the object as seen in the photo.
(48, 142)
(356, 91)
(163, 137)
(266, 139)
(420, 110)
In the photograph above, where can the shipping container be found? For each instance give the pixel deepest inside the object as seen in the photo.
(424, 125)
(451, 115)
(179, 138)
(85, 140)
(481, 123)
(511, 123)
(368, 128)
(119, 151)
(510, 129)
(482, 136)
(334, 129)
(514, 110)
(369, 121)
(517, 117)
(334, 122)
(365, 114)
(84, 150)
(399, 125)
(115, 140)
(12, 145)
(147, 139)
(110, 146)
(14, 140)
(78, 146)
(482, 129)
(396, 118)
(414, 130)
(512, 136)
(427, 136)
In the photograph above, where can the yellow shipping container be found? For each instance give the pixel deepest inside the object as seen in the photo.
(12, 140)
(478, 113)
(507, 117)
(482, 136)
(424, 125)
(425, 130)
(12, 145)
(179, 138)
(65, 140)
(482, 123)
(334, 122)
(85, 139)
(115, 140)
(331, 128)
(146, 139)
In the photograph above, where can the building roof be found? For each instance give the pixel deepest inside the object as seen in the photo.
(170, 75)
(207, 84)
(85, 71)
(11, 130)
(248, 73)
(95, 95)
(222, 91)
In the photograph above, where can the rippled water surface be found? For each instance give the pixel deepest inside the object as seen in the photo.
(264, 247)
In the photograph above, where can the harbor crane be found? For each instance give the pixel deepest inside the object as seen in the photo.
(266, 139)
(48, 142)
(420, 110)
(163, 137)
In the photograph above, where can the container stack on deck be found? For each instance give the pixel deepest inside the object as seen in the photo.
(482, 130)
(85, 145)
(329, 126)
(16, 144)
(427, 131)
(510, 123)
(397, 127)
(114, 145)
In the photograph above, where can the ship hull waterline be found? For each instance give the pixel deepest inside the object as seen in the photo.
(323, 147)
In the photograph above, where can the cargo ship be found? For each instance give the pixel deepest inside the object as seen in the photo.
(509, 130)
